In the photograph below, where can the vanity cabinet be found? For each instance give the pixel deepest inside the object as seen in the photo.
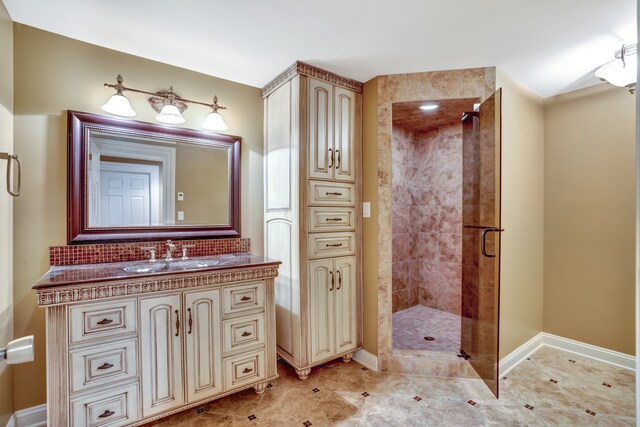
(313, 122)
(126, 352)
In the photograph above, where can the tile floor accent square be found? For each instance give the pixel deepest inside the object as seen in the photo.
(315, 390)
(606, 385)
(307, 423)
(590, 412)
(417, 398)
(251, 417)
(365, 394)
(528, 406)
(553, 381)
(471, 402)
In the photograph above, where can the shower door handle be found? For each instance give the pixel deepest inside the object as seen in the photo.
(483, 245)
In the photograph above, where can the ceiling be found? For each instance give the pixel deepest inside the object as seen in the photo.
(408, 115)
(549, 46)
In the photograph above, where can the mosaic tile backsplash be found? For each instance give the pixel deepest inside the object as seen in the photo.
(120, 252)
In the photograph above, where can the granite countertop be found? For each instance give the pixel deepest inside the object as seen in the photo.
(88, 273)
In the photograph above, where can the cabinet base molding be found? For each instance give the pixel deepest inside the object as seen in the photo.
(303, 372)
(263, 384)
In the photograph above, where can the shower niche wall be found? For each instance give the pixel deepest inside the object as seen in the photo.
(445, 230)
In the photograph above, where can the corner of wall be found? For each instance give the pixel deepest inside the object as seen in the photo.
(521, 269)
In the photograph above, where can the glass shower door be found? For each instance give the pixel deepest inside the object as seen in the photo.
(481, 165)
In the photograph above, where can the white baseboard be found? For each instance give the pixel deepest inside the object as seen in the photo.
(36, 416)
(514, 358)
(366, 359)
(591, 351)
(576, 347)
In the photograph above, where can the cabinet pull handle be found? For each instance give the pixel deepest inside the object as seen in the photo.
(333, 219)
(190, 320)
(339, 279)
(337, 159)
(177, 323)
(247, 370)
(334, 245)
(334, 193)
(105, 321)
(330, 158)
(106, 414)
(105, 365)
(246, 334)
(245, 299)
(333, 282)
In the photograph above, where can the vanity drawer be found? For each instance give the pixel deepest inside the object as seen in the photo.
(103, 364)
(116, 407)
(243, 332)
(332, 193)
(244, 369)
(101, 320)
(240, 298)
(331, 244)
(331, 219)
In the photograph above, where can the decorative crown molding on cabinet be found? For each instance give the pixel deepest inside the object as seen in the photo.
(94, 291)
(303, 68)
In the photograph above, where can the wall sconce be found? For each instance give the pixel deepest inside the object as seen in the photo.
(622, 70)
(167, 103)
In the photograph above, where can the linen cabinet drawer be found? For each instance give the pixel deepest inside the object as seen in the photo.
(331, 244)
(243, 332)
(236, 299)
(103, 364)
(331, 219)
(332, 193)
(243, 369)
(116, 407)
(101, 320)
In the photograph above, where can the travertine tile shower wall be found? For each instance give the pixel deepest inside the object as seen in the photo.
(427, 218)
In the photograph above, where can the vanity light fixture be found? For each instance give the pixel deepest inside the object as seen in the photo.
(622, 70)
(167, 103)
(429, 107)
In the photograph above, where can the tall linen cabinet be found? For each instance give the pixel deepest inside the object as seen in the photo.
(312, 211)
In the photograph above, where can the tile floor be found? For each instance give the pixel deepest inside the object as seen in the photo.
(551, 388)
(411, 325)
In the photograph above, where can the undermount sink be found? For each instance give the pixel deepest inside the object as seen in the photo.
(188, 264)
(148, 267)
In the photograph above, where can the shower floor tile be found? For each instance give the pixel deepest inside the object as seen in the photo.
(411, 325)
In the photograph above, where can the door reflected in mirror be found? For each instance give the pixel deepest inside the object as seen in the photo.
(131, 180)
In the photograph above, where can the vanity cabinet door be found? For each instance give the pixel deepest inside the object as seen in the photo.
(202, 332)
(161, 354)
(345, 134)
(321, 154)
(321, 303)
(346, 307)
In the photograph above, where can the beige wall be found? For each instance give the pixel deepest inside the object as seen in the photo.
(589, 217)
(53, 74)
(6, 209)
(521, 268)
(370, 225)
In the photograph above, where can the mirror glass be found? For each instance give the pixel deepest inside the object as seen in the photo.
(131, 180)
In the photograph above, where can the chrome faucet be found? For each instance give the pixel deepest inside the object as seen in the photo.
(185, 248)
(170, 248)
(152, 252)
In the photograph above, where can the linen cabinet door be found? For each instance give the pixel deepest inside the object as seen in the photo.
(161, 354)
(345, 135)
(346, 304)
(321, 150)
(321, 304)
(204, 355)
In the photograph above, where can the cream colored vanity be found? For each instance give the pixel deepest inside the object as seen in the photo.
(312, 213)
(126, 349)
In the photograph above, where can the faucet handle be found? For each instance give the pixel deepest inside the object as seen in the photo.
(185, 248)
(152, 252)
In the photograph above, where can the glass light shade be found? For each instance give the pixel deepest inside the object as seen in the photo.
(214, 121)
(119, 105)
(170, 114)
(618, 73)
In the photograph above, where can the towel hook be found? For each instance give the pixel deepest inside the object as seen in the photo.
(10, 158)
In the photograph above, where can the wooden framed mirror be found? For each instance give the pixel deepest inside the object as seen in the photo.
(133, 181)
